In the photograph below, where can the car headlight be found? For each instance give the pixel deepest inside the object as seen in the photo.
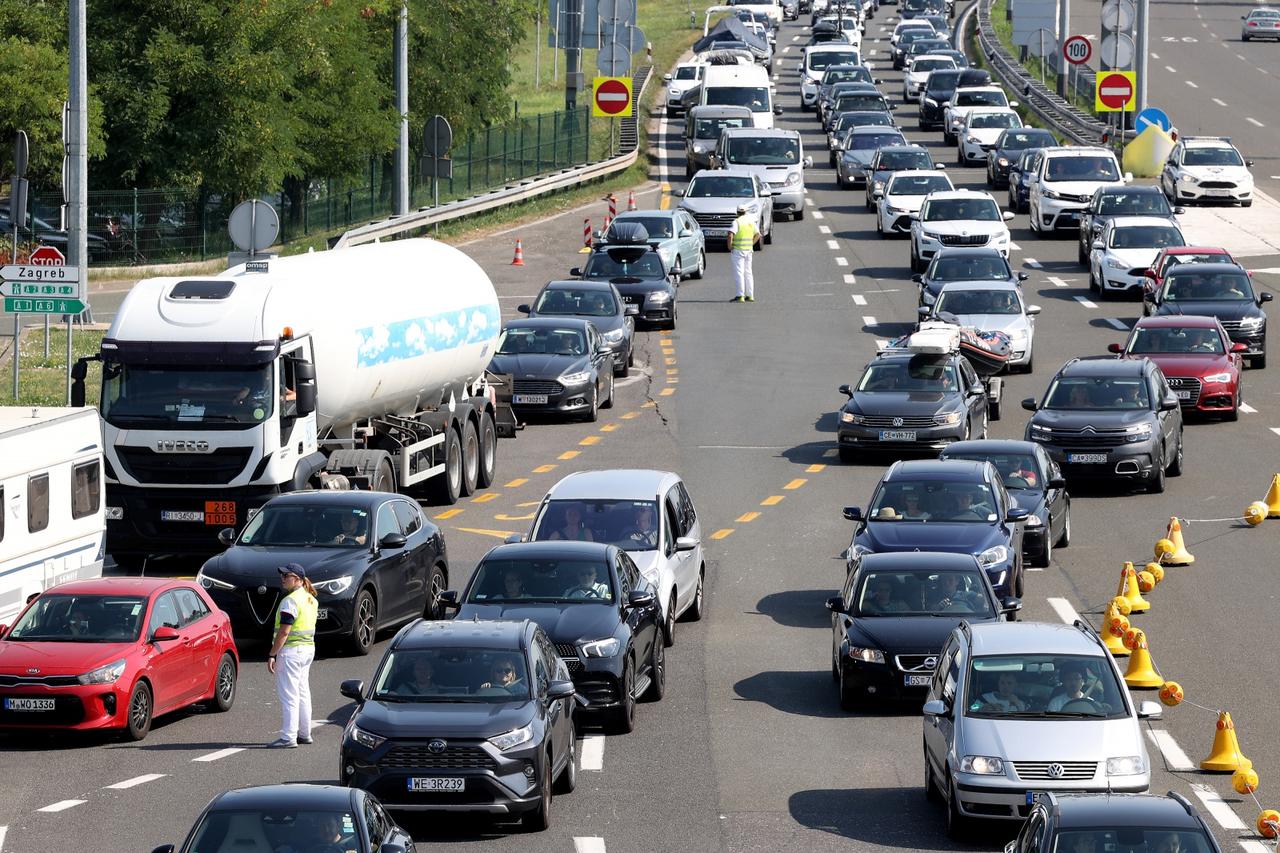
(658, 297)
(1190, 179)
(971, 139)
(993, 556)
(861, 550)
(930, 235)
(673, 91)
(1017, 334)
(1252, 321)
(575, 378)
(209, 582)
(1051, 194)
(513, 738)
(1116, 264)
(947, 418)
(1138, 432)
(614, 336)
(878, 186)
(336, 586)
(792, 179)
(897, 211)
(866, 655)
(1218, 377)
(984, 765)
(699, 149)
(852, 418)
(1128, 765)
(366, 739)
(606, 648)
(107, 674)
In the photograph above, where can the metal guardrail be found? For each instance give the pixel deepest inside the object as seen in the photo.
(1063, 118)
(519, 191)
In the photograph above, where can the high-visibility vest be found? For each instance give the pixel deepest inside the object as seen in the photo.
(745, 236)
(303, 632)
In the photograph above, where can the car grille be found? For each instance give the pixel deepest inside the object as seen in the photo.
(959, 240)
(220, 466)
(1076, 198)
(261, 605)
(916, 663)
(1080, 438)
(1217, 185)
(1186, 383)
(40, 680)
(1070, 769)
(418, 757)
(1236, 327)
(536, 386)
(714, 220)
(889, 421)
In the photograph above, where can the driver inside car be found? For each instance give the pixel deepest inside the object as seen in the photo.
(1073, 689)
(586, 586)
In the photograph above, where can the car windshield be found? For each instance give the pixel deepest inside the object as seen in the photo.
(891, 161)
(1016, 140)
(1135, 839)
(934, 500)
(550, 580)
(932, 63)
(995, 120)
(195, 396)
(970, 209)
(860, 101)
(581, 303)
(1220, 287)
(65, 618)
(542, 340)
(709, 128)
(968, 268)
(843, 75)
(918, 184)
(1146, 237)
(872, 141)
(300, 525)
(1212, 157)
(630, 524)
(1082, 169)
(915, 375)
(1017, 470)
(942, 81)
(687, 72)
(981, 98)
(658, 227)
(452, 674)
(282, 828)
(754, 98)
(763, 150)
(1098, 392)
(1134, 204)
(1043, 686)
(921, 46)
(601, 265)
(922, 593)
(824, 58)
(721, 186)
(960, 301)
(908, 36)
(1190, 339)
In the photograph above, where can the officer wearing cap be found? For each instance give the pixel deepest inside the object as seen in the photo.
(292, 651)
(743, 237)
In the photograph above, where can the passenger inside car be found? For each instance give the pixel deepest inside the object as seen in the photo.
(882, 598)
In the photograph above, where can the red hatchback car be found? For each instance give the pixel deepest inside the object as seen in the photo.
(1170, 256)
(115, 653)
(1198, 359)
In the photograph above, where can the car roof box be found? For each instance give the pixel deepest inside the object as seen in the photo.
(628, 234)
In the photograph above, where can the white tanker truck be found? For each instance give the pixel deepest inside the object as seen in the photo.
(353, 368)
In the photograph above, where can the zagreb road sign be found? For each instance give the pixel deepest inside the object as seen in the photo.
(1077, 50)
(31, 272)
(612, 97)
(1115, 92)
(42, 306)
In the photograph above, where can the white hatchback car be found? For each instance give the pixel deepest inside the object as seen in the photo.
(1207, 169)
(980, 130)
(957, 218)
(1125, 250)
(903, 195)
(648, 514)
(1064, 182)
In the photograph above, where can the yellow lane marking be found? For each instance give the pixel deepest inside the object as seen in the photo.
(815, 468)
(502, 516)
(608, 427)
(543, 469)
(722, 533)
(669, 360)
(747, 516)
(666, 342)
(568, 454)
(673, 380)
(649, 405)
(672, 371)
(448, 513)
(486, 497)
(516, 483)
(590, 440)
(796, 483)
(666, 392)
(668, 351)
(496, 534)
(665, 204)
(528, 503)
(772, 500)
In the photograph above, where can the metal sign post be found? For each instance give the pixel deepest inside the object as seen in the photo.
(18, 213)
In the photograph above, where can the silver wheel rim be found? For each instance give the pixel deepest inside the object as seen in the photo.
(364, 622)
(454, 466)
(139, 710)
(226, 681)
(471, 451)
(433, 597)
(486, 446)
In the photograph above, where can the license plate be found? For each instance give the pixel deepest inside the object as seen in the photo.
(1183, 395)
(1087, 458)
(529, 399)
(714, 232)
(1217, 192)
(897, 435)
(917, 680)
(220, 513)
(21, 704)
(180, 515)
(449, 784)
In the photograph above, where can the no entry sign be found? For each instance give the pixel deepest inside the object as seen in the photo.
(1115, 91)
(612, 97)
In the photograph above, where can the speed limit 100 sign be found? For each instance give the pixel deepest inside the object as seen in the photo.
(1077, 50)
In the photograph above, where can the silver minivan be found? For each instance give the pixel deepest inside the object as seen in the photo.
(774, 155)
(1020, 707)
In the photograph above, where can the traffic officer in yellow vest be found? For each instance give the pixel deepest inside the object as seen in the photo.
(292, 651)
(743, 237)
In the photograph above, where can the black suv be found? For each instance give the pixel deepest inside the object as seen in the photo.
(1102, 822)
(464, 716)
(1224, 291)
(1122, 200)
(1110, 419)
(939, 88)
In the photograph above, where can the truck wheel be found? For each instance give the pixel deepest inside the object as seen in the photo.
(384, 479)
(447, 488)
(487, 469)
(470, 457)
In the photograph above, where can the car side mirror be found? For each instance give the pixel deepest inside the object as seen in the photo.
(576, 272)
(639, 598)
(1239, 347)
(227, 536)
(1169, 404)
(1248, 163)
(1014, 104)
(1118, 349)
(893, 108)
(449, 599)
(923, 311)
(1023, 276)
(853, 513)
(1057, 482)
(686, 543)
(1178, 211)
(560, 690)
(1011, 604)
(1033, 310)
(836, 604)
(1007, 215)
(777, 110)
(524, 309)
(1029, 404)
(918, 278)
(808, 162)
(1266, 297)
(305, 398)
(1148, 710)
(353, 689)
(1017, 513)
(686, 232)
(935, 708)
(846, 390)
(393, 541)
(1096, 245)
(1128, 177)
(164, 633)
(666, 78)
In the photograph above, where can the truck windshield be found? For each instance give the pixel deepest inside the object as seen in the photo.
(754, 98)
(188, 394)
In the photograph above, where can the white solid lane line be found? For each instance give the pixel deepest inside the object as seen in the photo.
(135, 781)
(221, 753)
(62, 806)
(1247, 409)
(1173, 754)
(1057, 282)
(589, 844)
(592, 751)
(833, 245)
(1065, 611)
(4, 830)
(1214, 805)
(1276, 430)
(1115, 323)
(859, 299)
(1087, 303)
(1253, 121)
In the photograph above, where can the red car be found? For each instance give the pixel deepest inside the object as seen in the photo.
(115, 653)
(1171, 255)
(1198, 359)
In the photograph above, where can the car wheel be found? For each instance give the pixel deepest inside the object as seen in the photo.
(1081, 255)
(1155, 484)
(848, 701)
(624, 716)
(848, 456)
(870, 207)
(657, 673)
(488, 452)
(678, 271)
(1093, 282)
(702, 264)
(669, 623)
(931, 792)
(1176, 466)
(139, 709)
(1064, 539)
(698, 607)
(434, 607)
(224, 686)
(608, 403)
(568, 779)
(364, 623)
(768, 235)
(539, 819)
(1045, 557)
(1258, 362)
(593, 413)
(879, 229)
(961, 159)
(957, 824)
(1247, 203)
(470, 457)
(993, 409)
(798, 216)
(1234, 414)
(621, 368)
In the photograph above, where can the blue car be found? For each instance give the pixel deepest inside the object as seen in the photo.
(1020, 172)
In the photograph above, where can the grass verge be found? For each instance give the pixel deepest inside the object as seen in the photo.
(42, 380)
(1035, 65)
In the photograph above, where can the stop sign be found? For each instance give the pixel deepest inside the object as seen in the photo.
(48, 256)
(612, 97)
(1115, 90)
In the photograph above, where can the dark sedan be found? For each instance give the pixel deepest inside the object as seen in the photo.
(1022, 172)
(373, 557)
(955, 506)
(1224, 291)
(892, 616)
(1108, 202)
(939, 88)
(1033, 480)
(640, 276)
(315, 818)
(558, 366)
(464, 716)
(594, 604)
(1009, 145)
(599, 302)
(965, 265)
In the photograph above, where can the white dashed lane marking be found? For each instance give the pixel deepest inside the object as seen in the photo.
(1220, 102)
(817, 214)
(1276, 430)
(1247, 409)
(859, 299)
(592, 752)
(590, 844)
(1214, 805)
(1171, 69)
(849, 278)
(1087, 303)
(824, 229)
(1192, 85)
(136, 781)
(842, 262)
(1015, 247)
(833, 245)
(1065, 611)
(62, 806)
(868, 320)
(1173, 754)
(1032, 262)
(1117, 324)
(219, 754)
(1057, 282)
(1253, 121)
(4, 830)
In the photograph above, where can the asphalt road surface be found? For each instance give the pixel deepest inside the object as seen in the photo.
(749, 751)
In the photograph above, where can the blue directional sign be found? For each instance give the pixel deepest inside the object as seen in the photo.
(1150, 116)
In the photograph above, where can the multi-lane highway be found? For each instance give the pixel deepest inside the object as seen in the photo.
(749, 750)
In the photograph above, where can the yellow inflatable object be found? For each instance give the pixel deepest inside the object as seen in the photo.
(1145, 156)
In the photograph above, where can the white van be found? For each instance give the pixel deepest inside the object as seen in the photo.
(52, 521)
(741, 86)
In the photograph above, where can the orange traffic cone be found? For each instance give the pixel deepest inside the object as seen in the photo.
(518, 260)
(631, 200)
(1141, 671)
(1114, 625)
(1180, 556)
(1129, 589)
(1226, 756)
(1273, 498)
